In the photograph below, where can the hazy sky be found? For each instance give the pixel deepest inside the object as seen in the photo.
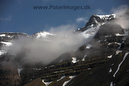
(19, 15)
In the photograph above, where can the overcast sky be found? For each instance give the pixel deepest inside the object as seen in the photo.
(20, 16)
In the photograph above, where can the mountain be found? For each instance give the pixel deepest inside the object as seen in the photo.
(102, 61)
(6, 39)
(96, 20)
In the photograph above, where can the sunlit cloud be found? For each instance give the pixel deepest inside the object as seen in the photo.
(81, 19)
(122, 14)
(99, 11)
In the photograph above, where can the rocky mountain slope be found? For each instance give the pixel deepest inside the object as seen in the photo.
(104, 61)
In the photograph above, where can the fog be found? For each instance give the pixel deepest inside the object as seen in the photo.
(122, 14)
(45, 49)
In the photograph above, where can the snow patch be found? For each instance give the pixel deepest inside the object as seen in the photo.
(66, 82)
(103, 16)
(118, 51)
(84, 57)
(114, 43)
(43, 34)
(120, 64)
(109, 43)
(88, 46)
(74, 60)
(2, 52)
(110, 70)
(125, 34)
(92, 25)
(89, 68)
(117, 34)
(111, 84)
(7, 43)
(61, 78)
(109, 56)
(106, 16)
(90, 32)
(117, 43)
(1, 35)
(19, 70)
(46, 83)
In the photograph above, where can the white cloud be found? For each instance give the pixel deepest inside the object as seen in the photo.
(81, 19)
(68, 27)
(47, 49)
(99, 11)
(120, 10)
(122, 14)
(6, 19)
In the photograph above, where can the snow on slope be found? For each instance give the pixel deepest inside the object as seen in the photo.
(88, 46)
(2, 52)
(110, 70)
(74, 60)
(107, 16)
(120, 64)
(111, 84)
(84, 57)
(6, 43)
(60, 78)
(90, 32)
(118, 51)
(2, 35)
(66, 82)
(109, 56)
(46, 83)
(19, 70)
(43, 34)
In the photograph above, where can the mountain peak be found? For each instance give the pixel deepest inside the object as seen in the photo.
(107, 16)
(98, 20)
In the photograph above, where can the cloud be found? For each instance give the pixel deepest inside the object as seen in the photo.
(46, 49)
(6, 19)
(63, 28)
(122, 15)
(81, 19)
(120, 10)
(99, 11)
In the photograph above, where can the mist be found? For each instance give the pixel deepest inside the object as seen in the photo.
(45, 49)
(122, 15)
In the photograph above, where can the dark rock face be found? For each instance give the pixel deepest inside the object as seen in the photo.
(9, 75)
(109, 29)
